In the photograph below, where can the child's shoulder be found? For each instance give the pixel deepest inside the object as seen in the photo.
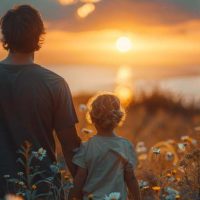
(119, 139)
(125, 140)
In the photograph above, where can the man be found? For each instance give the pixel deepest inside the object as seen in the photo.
(33, 100)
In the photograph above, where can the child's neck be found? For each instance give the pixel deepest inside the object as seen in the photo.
(106, 133)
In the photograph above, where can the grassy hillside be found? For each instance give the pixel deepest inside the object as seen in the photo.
(153, 118)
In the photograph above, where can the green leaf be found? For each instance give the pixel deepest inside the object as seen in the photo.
(20, 151)
(32, 176)
(49, 182)
(19, 160)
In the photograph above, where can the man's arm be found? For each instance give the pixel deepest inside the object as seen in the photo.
(69, 141)
(77, 191)
(132, 183)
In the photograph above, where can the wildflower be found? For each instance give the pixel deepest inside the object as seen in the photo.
(67, 177)
(82, 107)
(6, 176)
(174, 171)
(146, 187)
(113, 196)
(171, 193)
(141, 150)
(182, 146)
(21, 183)
(156, 188)
(143, 184)
(182, 165)
(185, 138)
(34, 187)
(87, 131)
(169, 175)
(90, 197)
(156, 150)
(40, 154)
(140, 147)
(169, 156)
(20, 173)
(171, 179)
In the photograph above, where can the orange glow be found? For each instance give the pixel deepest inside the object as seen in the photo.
(90, 1)
(67, 2)
(85, 10)
(153, 47)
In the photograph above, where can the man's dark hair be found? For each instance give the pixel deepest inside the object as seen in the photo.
(22, 28)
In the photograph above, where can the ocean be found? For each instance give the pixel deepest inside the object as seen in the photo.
(90, 79)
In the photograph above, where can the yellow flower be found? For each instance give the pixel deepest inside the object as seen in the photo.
(178, 196)
(168, 175)
(34, 187)
(156, 188)
(178, 179)
(67, 177)
(174, 172)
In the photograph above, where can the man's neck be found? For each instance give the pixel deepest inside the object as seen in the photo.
(19, 58)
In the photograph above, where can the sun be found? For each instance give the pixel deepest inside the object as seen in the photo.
(123, 44)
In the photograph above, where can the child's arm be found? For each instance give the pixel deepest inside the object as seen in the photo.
(79, 181)
(132, 183)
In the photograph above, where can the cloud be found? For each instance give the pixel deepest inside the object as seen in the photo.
(112, 14)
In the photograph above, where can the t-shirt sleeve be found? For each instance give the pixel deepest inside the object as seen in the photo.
(64, 113)
(131, 156)
(80, 157)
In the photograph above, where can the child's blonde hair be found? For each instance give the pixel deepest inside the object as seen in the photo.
(105, 111)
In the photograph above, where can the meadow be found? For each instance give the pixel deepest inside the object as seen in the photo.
(165, 132)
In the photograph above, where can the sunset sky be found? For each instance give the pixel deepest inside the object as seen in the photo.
(163, 33)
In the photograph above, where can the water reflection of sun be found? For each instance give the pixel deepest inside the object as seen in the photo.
(125, 94)
(124, 85)
(124, 74)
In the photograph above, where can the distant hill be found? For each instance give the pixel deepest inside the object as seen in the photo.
(153, 118)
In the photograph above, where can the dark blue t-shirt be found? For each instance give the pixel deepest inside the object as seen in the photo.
(33, 103)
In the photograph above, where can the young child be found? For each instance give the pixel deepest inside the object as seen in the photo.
(106, 162)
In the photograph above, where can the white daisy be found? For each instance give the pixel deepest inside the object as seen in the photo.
(113, 196)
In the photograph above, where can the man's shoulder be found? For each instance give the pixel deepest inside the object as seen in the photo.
(46, 79)
(47, 76)
(43, 71)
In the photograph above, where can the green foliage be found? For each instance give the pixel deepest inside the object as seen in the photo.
(28, 185)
